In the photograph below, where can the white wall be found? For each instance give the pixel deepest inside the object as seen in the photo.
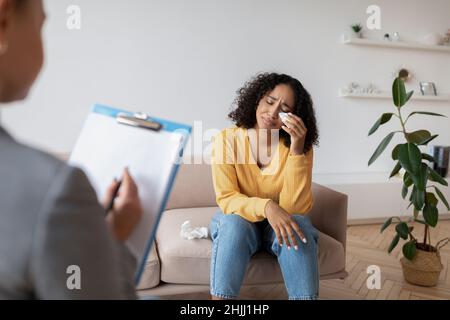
(185, 59)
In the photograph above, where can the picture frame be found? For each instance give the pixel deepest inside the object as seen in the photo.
(428, 89)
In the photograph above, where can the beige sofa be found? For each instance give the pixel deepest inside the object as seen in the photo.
(177, 266)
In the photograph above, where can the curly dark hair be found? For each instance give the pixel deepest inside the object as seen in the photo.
(20, 3)
(249, 96)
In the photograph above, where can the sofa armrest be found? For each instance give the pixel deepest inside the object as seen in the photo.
(329, 212)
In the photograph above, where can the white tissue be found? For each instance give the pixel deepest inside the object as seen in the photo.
(188, 232)
(283, 116)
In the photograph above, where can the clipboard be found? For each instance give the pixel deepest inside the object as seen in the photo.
(151, 148)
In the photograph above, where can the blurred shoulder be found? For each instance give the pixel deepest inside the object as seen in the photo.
(36, 172)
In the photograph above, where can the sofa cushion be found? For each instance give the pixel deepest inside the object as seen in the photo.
(188, 261)
(151, 275)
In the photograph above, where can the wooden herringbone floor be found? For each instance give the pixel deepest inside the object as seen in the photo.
(365, 247)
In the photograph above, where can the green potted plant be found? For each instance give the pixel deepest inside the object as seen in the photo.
(421, 263)
(357, 30)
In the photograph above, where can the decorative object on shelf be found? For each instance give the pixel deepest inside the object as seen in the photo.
(446, 39)
(387, 37)
(441, 159)
(396, 37)
(357, 30)
(428, 89)
(352, 88)
(371, 88)
(403, 74)
(357, 88)
(421, 261)
(433, 39)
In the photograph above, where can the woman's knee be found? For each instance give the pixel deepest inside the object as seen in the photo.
(237, 229)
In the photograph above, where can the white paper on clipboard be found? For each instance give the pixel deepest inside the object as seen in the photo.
(105, 147)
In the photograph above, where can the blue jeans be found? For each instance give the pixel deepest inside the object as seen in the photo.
(236, 240)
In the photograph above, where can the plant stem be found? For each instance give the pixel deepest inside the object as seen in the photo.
(429, 241)
(425, 235)
(402, 122)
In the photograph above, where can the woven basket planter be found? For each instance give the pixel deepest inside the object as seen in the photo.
(424, 269)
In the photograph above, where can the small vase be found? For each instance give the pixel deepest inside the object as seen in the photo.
(357, 35)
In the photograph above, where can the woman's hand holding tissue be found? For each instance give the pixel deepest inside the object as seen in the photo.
(296, 128)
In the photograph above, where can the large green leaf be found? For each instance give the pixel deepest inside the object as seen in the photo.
(409, 95)
(436, 177)
(399, 93)
(409, 250)
(386, 224)
(407, 180)
(403, 230)
(413, 194)
(395, 152)
(442, 197)
(394, 243)
(383, 119)
(382, 146)
(418, 137)
(418, 199)
(427, 141)
(431, 215)
(420, 178)
(396, 169)
(410, 157)
(431, 199)
(426, 113)
(404, 191)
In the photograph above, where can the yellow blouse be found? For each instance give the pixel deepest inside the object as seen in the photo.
(243, 188)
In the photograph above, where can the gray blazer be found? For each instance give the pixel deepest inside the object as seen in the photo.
(50, 219)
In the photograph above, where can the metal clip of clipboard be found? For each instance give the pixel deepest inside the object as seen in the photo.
(139, 120)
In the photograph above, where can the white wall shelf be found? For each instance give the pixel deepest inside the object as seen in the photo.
(393, 44)
(387, 95)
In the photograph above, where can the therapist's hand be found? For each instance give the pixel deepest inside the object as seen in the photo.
(127, 210)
